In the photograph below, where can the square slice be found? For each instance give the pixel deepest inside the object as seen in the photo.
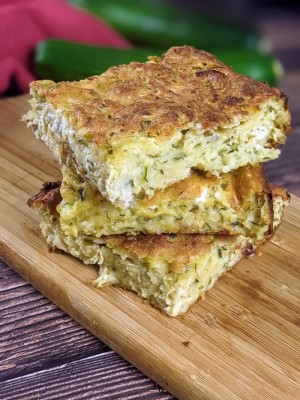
(170, 271)
(141, 127)
(236, 203)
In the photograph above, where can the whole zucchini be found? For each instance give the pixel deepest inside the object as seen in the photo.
(60, 60)
(159, 24)
(65, 61)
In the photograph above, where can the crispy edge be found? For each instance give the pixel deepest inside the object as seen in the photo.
(250, 181)
(176, 250)
(49, 196)
(279, 191)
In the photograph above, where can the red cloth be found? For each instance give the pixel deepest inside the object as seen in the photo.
(26, 22)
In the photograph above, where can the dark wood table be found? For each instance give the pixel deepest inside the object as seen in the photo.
(44, 354)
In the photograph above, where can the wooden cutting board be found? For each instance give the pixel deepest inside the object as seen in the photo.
(241, 342)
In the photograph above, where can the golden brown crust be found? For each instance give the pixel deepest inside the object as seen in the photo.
(241, 184)
(187, 189)
(184, 87)
(49, 197)
(279, 191)
(276, 192)
(251, 181)
(248, 181)
(177, 250)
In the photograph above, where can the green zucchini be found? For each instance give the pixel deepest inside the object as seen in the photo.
(66, 61)
(159, 24)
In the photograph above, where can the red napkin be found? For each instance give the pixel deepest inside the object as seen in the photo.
(26, 22)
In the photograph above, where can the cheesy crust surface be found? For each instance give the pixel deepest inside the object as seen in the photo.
(141, 127)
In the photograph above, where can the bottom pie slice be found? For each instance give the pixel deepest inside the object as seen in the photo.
(170, 271)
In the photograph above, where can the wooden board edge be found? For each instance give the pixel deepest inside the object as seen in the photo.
(185, 389)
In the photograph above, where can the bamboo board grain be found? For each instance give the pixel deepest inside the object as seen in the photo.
(241, 342)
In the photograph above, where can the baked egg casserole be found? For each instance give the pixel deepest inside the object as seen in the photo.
(239, 202)
(141, 127)
(170, 271)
